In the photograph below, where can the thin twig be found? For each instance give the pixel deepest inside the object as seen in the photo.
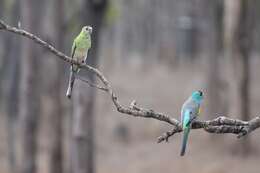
(221, 124)
(92, 84)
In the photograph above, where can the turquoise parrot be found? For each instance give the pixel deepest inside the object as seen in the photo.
(189, 112)
(79, 52)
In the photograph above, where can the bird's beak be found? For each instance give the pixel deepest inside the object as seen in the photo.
(90, 30)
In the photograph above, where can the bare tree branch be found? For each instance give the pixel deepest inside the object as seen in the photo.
(2, 25)
(218, 125)
(92, 84)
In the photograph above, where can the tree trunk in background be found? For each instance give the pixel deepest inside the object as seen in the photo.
(29, 93)
(2, 5)
(4, 61)
(213, 54)
(231, 16)
(9, 78)
(239, 22)
(53, 94)
(1, 57)
(13, 89)
(243, 43)
(84, 96)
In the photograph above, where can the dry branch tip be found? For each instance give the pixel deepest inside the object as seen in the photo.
(221, 124)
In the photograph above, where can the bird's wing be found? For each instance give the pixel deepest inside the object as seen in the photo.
(186, 118)
(183, 109)
(194, 112)
(73, 50)
(86, 56)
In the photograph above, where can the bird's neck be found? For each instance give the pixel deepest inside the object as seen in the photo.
(83, 36)
(198, 101)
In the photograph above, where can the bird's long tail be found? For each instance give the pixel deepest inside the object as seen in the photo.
(184, 140)
(71, 83)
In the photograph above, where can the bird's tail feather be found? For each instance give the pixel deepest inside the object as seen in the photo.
(71, 83)
(184, 140)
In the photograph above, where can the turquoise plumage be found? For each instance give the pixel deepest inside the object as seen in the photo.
(189, 112)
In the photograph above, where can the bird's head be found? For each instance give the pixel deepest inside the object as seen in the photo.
(197, 96)
(87, 30)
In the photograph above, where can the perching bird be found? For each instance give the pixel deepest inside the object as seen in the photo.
(79, 52)
(189, 112)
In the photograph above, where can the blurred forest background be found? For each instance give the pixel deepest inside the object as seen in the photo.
(154, 51)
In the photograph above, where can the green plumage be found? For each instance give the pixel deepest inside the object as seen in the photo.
(79, 52)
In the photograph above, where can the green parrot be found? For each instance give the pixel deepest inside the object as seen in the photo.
(189, 112)
(79, 52)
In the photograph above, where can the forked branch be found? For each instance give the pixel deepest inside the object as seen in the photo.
(218, 125)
